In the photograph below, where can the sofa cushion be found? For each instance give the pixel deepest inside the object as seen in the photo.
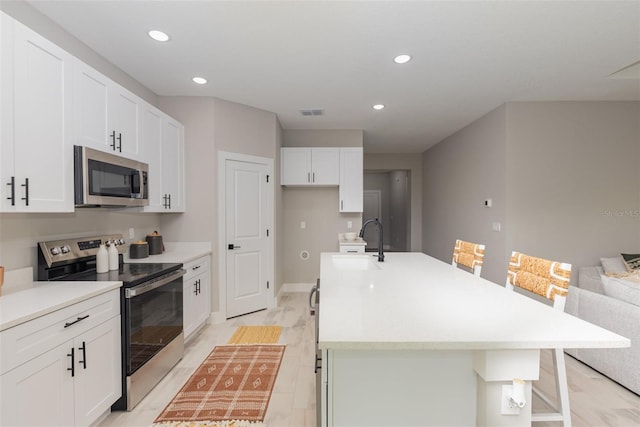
(614, 265)
(632, 261)
(623, 290)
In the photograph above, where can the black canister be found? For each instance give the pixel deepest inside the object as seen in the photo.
(139, 250)
(155, 244)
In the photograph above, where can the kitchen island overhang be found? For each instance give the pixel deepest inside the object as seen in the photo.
(417, 312)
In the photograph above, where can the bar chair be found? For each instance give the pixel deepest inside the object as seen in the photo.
(470, 255)
(549, 279)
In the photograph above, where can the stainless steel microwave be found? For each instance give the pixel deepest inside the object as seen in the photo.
(103, 179)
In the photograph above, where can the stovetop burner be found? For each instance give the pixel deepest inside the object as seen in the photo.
(129, 274)
(74, 260)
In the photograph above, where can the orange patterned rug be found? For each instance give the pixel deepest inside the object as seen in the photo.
(234, 383)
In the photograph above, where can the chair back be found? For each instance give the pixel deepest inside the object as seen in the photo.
(549, 279)
(471, 255)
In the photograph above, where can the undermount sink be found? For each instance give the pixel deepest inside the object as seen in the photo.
(354, 262)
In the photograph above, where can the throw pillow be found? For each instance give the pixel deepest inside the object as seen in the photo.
(632, 261)
(613, 265)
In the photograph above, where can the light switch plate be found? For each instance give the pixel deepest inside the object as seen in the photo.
(303, 224)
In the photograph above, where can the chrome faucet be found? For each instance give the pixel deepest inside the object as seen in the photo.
(380, 241)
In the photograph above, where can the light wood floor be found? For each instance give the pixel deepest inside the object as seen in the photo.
(595, 400)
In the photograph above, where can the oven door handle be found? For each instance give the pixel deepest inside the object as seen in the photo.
(141, 289)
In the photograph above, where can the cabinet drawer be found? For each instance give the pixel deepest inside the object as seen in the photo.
(28, 340)
(351, 249)
(196, 267)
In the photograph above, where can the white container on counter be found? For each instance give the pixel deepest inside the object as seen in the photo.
(113, 256)
(102, 260)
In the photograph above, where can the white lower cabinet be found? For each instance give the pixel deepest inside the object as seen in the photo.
(197, 284)
(72, 383)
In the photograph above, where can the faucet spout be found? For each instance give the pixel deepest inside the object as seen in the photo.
(380, 235)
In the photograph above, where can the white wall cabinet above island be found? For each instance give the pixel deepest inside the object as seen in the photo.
(428, 344)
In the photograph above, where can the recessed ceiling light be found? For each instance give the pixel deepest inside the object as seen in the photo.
(158, 35)
(378, 106)
(199, 80)
(402, 59)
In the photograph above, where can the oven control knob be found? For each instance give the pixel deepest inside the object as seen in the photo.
(66, 249)
(55, 250)
(121, 241)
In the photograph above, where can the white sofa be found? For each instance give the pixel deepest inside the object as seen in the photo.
(614, 304)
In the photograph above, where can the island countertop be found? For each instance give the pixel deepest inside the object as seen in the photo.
(414, 301)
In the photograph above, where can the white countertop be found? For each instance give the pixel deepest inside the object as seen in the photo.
(40, 298)
(181, 252)
(414, 301)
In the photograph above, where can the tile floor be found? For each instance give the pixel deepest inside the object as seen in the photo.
(293, 400)
(595, 400)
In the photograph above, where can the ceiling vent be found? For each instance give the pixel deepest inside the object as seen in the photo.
(309, 112)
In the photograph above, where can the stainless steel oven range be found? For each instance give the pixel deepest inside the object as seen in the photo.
(151, 308)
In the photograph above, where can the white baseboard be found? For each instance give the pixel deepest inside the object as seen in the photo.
(216, 317)
(296, 287)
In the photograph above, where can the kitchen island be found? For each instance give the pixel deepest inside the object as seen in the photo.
(415, 341)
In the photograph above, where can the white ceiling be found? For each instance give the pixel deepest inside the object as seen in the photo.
(468, 57)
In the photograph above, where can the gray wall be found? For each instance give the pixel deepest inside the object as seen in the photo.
(317, 206)
(20, 233)
(563, 176)
(458, 174)
(213, 125)
(573, 179)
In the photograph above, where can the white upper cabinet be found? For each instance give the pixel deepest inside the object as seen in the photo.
(162, 139)
(106, 115)
(310, 166)
(351, 179)
(173, 165)
(37, 158)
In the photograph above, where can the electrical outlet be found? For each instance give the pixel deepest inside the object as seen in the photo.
(131, 232)
(508, 407)
(303, 224)
(349, 225)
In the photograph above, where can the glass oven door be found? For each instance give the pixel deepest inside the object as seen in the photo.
(153, 318)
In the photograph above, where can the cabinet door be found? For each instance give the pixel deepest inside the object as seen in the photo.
(325, 166)
(6, 112)
(42, 151)
(91, 98)
(295, 166)
(351, 179)
(40, 391)
(98, 382)
(201, 304)
(173, 164)
(123, 119)
(151, 123)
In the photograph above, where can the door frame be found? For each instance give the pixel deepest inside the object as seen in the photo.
(223, 156)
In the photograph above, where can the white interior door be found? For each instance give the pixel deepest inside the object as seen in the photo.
(371, 208)
(247, 220)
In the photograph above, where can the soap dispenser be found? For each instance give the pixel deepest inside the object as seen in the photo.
(113, 256)
(102, 259)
